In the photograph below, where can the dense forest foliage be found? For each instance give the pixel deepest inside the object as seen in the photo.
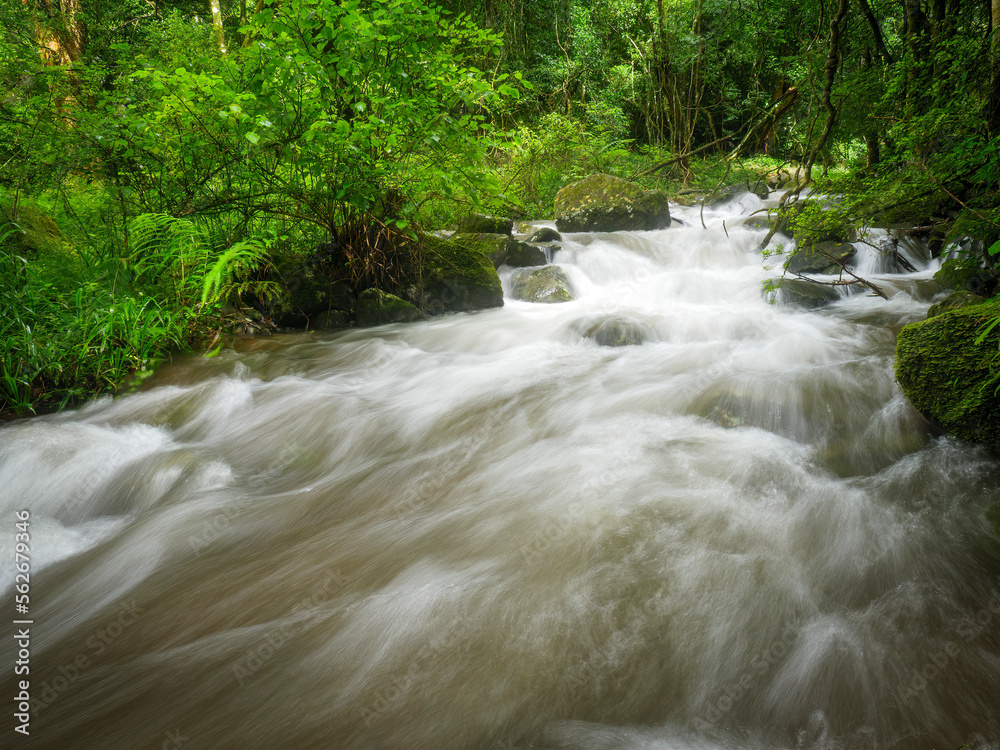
(168, 165)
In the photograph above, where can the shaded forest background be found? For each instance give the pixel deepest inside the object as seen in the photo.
(167, 166)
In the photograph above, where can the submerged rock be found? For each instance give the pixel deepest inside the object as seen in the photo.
(950, 378)
(616, 330)
(546, 284)
(801, 292)
(603, 203)
(820, 258)
(376, 307)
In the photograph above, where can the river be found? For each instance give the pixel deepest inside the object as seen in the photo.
(489, 531)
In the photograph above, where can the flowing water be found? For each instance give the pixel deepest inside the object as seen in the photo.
(489, 531)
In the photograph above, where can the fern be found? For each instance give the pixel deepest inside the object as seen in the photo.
(241, 257)
(177, 255)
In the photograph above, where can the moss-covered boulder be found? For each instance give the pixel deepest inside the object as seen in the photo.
(545, 234)
(30, 232)
(450, 276)
(603, 203)
(376, 307)
(314, 299)
(824, 257)
(948, 377)
(492, 245)
(965, 272)
(955, 301)
(482, 224)
(547, 284)
(521, 254)
(800, 292)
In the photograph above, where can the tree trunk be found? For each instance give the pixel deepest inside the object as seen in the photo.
(219, 33)
(61, 36)
(830, 71)
(63, 39)
(876, 28)
(994, 103)
(916, 54)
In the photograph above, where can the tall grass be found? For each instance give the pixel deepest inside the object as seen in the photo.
(73, 325)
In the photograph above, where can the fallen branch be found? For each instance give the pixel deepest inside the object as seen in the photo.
(841, 282)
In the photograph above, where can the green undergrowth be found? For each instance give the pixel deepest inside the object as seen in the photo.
(75, 322)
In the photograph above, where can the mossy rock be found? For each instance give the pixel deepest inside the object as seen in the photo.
(603, 203)
(312, 298)
(547, 284)
(820, 258)
(521, 254)
(966, 273)
(614, 331)
(492, 245)
(948, 377)
(330, 319)
(545, 234)
(801, 292)
(453, 275)
(780, 219)
(31, 232)
(955, 301)
(376, 307)
(482, 224)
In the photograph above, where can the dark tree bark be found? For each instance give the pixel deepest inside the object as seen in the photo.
(830, 74)
(993, 117)
(876, 28)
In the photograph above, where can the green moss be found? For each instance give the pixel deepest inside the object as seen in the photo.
(482, 224)
(955, 301)
(450, 276)
(603, 203)
(547, 284)
(959, 273)
(948, 377)
(31, 231)
(376, 307)
(492, 245)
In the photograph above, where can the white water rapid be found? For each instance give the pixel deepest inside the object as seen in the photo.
(489, 531)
